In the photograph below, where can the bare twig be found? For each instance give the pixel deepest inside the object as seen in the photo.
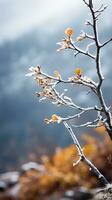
(83, 157)
(93, 124)
(101, 9)
(80, 51)
(78, 115)
(89, 36)
(86, 2)
(105, 43)
(89, 23)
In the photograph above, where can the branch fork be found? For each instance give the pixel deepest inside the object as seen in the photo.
(49, 84)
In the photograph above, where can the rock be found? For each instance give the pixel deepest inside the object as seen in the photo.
(103, 193)
(14, 191)
(3, 186)
(10, 178)
(32, 166)
(94, 194)
(77, 194)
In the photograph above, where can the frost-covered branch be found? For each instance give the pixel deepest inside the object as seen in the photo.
(82, 156)
(105, 43)
(93, 124)
(101, 9)
(100, 97)
(49, 84)
(80, 51)
(89, 36)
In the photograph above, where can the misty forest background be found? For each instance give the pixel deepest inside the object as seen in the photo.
(28, 36)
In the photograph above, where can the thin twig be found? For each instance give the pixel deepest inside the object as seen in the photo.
(101, 9)
(89, 36)
(80, 51)
(105, 43)
(83, 157)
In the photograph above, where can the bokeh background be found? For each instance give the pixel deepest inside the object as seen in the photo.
(29, 31)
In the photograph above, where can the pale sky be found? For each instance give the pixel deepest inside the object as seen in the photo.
(19, 16)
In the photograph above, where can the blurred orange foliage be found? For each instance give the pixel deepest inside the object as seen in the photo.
(60, 174)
